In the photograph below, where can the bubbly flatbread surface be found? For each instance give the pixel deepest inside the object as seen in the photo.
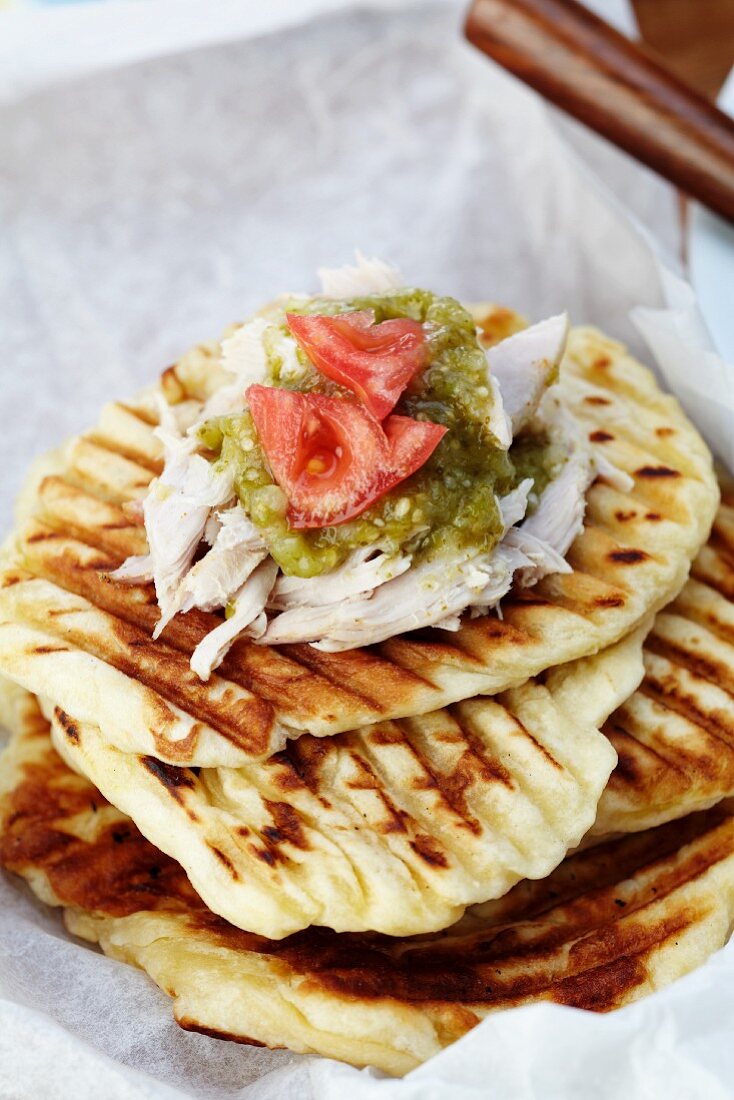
(609, 926)
(68, 632)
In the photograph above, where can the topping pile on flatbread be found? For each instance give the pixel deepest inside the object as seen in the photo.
(372, 622)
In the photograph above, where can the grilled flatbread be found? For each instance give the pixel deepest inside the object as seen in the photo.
(396, 827)
(68, 632)
(607, 927)
(675, 736)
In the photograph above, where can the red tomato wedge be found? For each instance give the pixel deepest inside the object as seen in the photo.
(374, 361)
(330, 456)
(411, 442)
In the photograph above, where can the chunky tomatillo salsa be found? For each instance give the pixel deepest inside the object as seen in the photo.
(372, 431)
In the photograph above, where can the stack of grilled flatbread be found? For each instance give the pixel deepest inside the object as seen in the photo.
(363, 853)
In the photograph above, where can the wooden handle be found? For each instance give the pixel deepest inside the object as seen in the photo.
(583, 65)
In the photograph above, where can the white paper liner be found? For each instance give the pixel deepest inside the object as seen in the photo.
(144, 208)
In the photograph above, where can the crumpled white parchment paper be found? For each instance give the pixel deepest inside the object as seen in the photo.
(143, 208)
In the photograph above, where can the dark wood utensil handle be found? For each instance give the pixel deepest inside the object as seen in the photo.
(583, 65)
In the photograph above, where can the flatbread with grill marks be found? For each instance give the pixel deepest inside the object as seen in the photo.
(68, 632)
(675, 736)
(396, 827)
(609, 926)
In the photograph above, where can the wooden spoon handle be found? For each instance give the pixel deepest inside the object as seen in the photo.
(583, 65)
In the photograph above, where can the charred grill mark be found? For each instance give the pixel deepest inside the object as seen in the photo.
(711, 722)
(363, 667)
(44, 649)
(653, 472)
(429, 851)
(68, 725)
(721, 542)
(173, 779)
(305, 756)
(624, 517)
(536, 743)
(139, 413)
(224, 860)
(653, 517)
(471, 767)
(453, 787)
(285, 774)
(43, 536)
(663, 433)
(597, 399)
(610, 600)
(366, 779)
(628, 556)
(387, 733)
(715, 671)
(600, 436)
(247, 722)
(287, 827)
(497, 325)
(601, 362)
(605, 966)
(77, 513)
(266, 855)
(525, 598)
(602, 988)
(719, 577)
(114, 446)
(629, 770)
(172, 386)
(119, 525)
(635, 759)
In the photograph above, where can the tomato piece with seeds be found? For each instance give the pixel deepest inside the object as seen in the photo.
(375, 361)
(332, 457)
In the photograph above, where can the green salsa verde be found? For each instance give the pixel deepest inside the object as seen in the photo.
(448, 504)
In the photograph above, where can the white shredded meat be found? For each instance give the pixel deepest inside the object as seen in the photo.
(428, 594)
(373, 594)
(247, 620)
(176, 510)
(523, 365)
(137, 569)
(559, 517)
(612, 474)
(542, 558)
(500, 424)
(236, 553)
(362, 572)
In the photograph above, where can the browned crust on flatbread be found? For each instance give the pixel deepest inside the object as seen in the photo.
(677, 755)
(600, 910)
